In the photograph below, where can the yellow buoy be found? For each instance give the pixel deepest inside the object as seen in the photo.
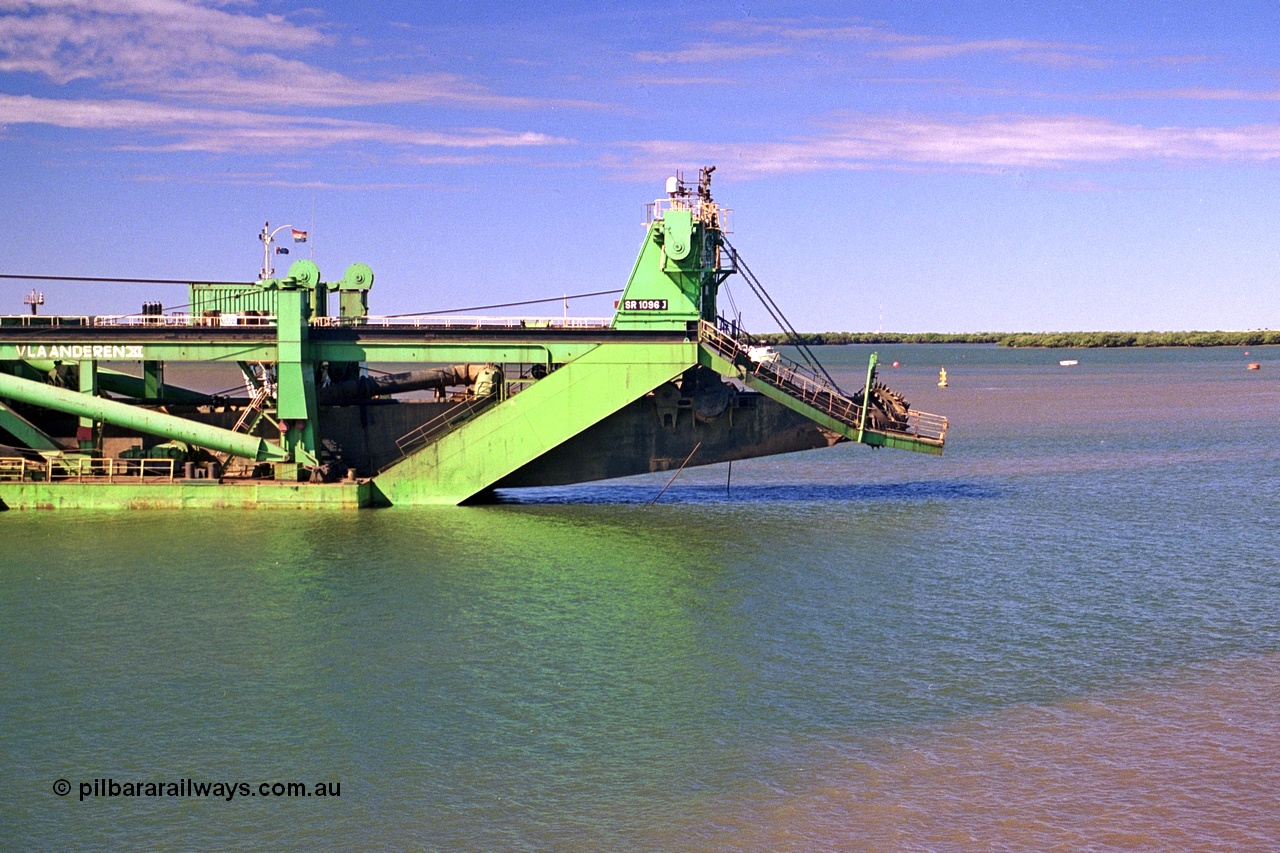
(942, 378)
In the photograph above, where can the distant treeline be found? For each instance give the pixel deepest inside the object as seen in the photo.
(821, 338)
(1039, 339)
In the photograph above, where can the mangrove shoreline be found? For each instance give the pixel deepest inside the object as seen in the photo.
(1064, 340)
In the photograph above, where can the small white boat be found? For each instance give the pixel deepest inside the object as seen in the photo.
(1069, 362)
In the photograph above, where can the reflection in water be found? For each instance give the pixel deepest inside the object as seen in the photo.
(924, 490)
(1188, 765)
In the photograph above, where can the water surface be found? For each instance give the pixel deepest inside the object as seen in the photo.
(1062, 634)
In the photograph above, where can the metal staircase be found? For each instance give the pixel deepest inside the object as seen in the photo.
(887, 421)
(250, 417)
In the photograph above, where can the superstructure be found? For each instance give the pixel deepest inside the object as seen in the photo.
(88, 420)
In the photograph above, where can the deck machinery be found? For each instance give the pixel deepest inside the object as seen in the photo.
(490, 403)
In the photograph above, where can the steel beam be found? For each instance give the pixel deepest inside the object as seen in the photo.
(125, 348)
(25, 431)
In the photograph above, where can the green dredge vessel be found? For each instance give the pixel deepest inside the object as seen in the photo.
(87, 419)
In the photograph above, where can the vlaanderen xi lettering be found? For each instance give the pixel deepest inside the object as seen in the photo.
(80, 351)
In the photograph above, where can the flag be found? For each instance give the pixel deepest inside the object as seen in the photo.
(299, 236)
(281, 250)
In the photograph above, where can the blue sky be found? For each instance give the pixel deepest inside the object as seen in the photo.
(941, 166)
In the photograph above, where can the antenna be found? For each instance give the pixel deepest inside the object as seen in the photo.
(34, 298)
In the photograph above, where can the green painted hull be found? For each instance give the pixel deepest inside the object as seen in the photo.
(195, 494)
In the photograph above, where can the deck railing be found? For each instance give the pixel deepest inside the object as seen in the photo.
(416, 321)
(196, 321)
(703, 210)
(445, 422)
(807, 386)
(83, 469)
(16, 469)
(42, 320)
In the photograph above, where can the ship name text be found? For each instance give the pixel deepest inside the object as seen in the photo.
(79, 352)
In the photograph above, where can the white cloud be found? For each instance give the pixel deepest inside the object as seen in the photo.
(711, 52)
(132, 41)
(791, 35)
(215, 130)
(1055, 54)
(205, 52)
(652, 80)
(178, 75)
(1204, 93)
(799, 29)
(982, 143)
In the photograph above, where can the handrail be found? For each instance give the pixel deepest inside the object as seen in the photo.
(250, 416)
(703, 210)
(17, 468)
(44, 320)
(256, 402)
(445, 422)
(185, 320)
(420, 321)
(811, 389)
(790, 370)
(82, 469)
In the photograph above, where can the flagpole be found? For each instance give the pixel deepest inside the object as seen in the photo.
(267, 238)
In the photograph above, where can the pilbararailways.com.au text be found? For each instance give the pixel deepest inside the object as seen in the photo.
(100, 788)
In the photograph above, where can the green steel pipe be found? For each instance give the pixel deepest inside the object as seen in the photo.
(143, 420)
(366, 387)
(132, 386)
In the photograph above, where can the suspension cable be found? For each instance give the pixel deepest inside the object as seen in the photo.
(776, 313)
(97, 280)
(507, 304)
(102, 280)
